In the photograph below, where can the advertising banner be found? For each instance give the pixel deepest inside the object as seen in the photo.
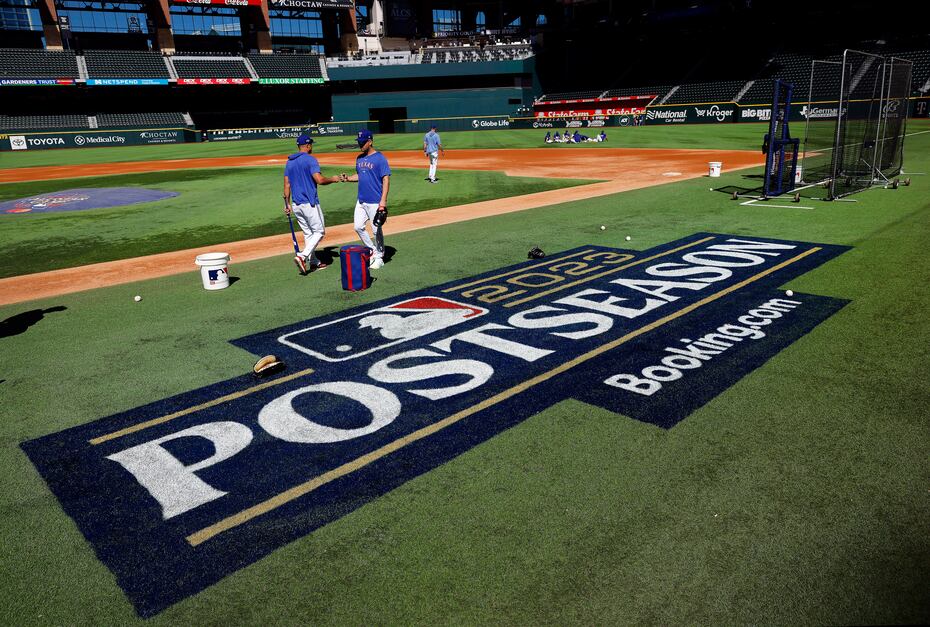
(313, 5)
(921, 107)
(224, 3)
(31, 82)
(96, 139)
(692, 114)
(290, 81)
(590, 122)
(583, 113)
(422, 125)
(127, 81)
(214, 81)
(343, 128)
(238, 134)
(400, 19)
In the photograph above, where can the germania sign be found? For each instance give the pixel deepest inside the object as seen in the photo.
(177, 494)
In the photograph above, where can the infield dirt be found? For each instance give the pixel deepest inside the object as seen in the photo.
(615, 169)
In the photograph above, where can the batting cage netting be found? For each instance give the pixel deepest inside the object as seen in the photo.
(821, 112)
(894, 116)
(855, 151)
(857, 139)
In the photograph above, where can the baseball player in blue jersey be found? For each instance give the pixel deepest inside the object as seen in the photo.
(432, 146)
(301, 177)
(373, 175)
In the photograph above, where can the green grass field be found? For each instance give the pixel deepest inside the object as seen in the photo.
(797, 496)
(214, 207)
(724, 137)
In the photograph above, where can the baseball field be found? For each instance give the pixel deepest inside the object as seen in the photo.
(701, 448)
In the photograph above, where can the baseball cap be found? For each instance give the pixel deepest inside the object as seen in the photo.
(304, 139)
(364, 135)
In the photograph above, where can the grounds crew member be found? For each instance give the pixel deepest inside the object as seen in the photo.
(373, 175)
(301, 177)
(432, 146)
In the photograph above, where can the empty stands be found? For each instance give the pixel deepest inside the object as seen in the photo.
(721, 91)
(658, 91)
(286, 65)
(571, 95)
(125, 64)
(32, 63)
(210, 67)
(23, 123)
(141, 120)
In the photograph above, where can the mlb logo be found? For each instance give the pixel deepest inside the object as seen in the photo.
(376, 329)
(217, 275)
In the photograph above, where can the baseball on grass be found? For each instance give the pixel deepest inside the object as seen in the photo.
(137, 298)
(789, 293)
(628, 238)
(603, 228)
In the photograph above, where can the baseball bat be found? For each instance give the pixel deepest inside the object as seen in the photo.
(293, 234)
(344, 146)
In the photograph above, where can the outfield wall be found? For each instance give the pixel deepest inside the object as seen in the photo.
(707, 113)
(96, 138)
(433, 104)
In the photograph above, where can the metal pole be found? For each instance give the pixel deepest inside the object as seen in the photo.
(807, 124)
(839, 126)
(878, 127)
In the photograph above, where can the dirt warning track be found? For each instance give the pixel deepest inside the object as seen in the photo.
(617, 169)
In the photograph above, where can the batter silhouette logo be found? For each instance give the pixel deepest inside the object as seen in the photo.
(177, 494)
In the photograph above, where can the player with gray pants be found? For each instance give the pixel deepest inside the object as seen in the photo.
(432, 146)
(301, 177)
(373, 175)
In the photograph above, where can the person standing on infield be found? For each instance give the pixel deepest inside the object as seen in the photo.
(432, 146)
(373, 175)
(301, 177)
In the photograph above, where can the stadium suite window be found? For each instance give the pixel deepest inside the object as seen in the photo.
(296, 24)
(446, 20)
(480, 20)
(17, 15)
(194, 20)
(104, 21)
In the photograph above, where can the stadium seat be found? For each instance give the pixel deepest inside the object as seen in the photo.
(233, 67)
(33, 63)
(23, 123)
(140, 120)
(721, 91)
(125, 64)
(286, 65)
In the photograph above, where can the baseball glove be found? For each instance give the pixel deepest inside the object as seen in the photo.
(380, 217)
(535, 253)
(267, 365)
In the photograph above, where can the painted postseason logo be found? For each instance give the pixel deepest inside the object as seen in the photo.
(175, 495)
(80, 199)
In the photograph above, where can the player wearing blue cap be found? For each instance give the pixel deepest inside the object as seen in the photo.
(373, 175)
(301, 177)
(432, 146)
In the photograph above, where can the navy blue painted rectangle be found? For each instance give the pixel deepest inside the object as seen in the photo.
(174, 495)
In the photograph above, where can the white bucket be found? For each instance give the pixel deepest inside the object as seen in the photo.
(798, 175)
(213, 270)
(715, 167)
